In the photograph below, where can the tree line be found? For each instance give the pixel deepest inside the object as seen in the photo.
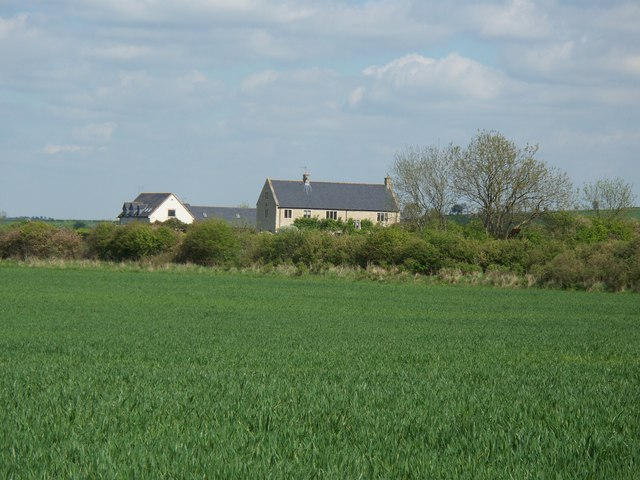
(504, 185)
(561, 249)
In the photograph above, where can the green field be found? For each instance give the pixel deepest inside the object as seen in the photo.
(198, 374)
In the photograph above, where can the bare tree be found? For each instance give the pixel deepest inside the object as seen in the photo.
(506, 184)
(422, 178)
(612, 196)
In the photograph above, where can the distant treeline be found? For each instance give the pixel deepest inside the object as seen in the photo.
(562, 250)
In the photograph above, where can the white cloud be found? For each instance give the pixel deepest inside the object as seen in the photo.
(50, 149)
(120, 52)
(519, 19)
(259, 80)
(99, 131)
(264, 44)
(623, 18)
(453, 77)
(10, 26)
(545, 59)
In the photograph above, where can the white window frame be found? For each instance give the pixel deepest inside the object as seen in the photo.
(288, 213)
(332, 215)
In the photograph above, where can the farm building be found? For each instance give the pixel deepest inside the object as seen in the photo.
(160, 207)
(281, 202)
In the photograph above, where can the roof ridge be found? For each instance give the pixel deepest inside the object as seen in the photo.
(335, 183)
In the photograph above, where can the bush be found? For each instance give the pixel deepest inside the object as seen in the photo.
(39, 240)
(345, 250)
(99, 241)
(421, 257)
(385, 246)
(68, 244)
(130, 242)
(138, 240)
(209, 243)
(566, 270)
(598, 229)
(454, 248)
(560, 225)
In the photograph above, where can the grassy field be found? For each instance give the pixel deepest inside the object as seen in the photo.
(135, 374)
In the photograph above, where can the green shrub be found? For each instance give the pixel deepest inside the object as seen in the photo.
(384, 247)
(209, 243)
(307, 223)
(99, 241)
(285, 247)
(418, 256)
(454, 248)
(566, 270)
(39, 240)
(345, 250)
(560, 225)
(598, 229)
(130, 242)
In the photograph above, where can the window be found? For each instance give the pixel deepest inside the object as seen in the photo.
(287, 213)
(357, 224)
(383, 217)
(266, 195)
(171, 213)
(266, 212)
(332, 214)
(307, 214)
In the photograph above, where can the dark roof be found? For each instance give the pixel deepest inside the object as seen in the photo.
(245, 217)
(143, 205)
(334, 196)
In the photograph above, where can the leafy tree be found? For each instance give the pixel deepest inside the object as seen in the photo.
(508, 186)
(99, 240)
(209, 243)
(458, 208)
(138, 240)
(422, 179)
(612, 196)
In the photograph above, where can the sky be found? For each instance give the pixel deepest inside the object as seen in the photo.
(103, 99)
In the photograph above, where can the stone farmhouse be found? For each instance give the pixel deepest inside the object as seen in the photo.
(281, 202)
(160, 207)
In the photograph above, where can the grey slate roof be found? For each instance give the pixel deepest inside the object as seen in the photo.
(334, 196)
(244, 217)
(143, 205)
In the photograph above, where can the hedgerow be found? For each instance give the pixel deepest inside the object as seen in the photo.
(561, 251)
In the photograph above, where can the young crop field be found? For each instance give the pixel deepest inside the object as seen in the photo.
(198, 374)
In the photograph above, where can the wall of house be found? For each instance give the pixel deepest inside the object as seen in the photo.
(161, 214)
(344, 215)
(266, 210)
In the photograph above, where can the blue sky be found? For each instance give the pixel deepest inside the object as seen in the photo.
(101, 99)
